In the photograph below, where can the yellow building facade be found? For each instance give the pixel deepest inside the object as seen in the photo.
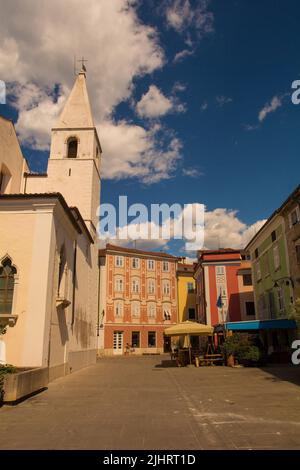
(186, 289)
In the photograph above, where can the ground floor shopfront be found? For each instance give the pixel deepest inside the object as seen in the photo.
(135, 339)
(275, 336)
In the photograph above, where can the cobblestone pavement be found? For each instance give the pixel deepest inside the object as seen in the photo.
(144, 403)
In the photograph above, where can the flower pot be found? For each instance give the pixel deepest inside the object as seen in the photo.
(230, 360)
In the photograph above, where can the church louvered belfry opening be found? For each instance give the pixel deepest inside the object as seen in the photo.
(72, 147)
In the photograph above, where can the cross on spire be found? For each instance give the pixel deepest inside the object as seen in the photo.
(83, 60)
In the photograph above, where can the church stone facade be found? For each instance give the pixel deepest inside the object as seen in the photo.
(49, 270)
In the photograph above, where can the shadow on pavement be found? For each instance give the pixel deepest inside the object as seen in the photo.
(166, 363)
(283, 373)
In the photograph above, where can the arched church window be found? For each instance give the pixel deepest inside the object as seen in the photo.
(7, 285)
(72, 147)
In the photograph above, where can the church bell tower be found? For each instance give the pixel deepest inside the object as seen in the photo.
(74, 162)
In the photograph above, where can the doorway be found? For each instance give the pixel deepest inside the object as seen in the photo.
(118, 342)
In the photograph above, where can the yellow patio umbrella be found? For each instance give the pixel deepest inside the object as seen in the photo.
(188, 328)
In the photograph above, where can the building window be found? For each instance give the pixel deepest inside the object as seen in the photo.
(250, 309)
(151, 310)
(220, 269)
(258, 271)
(297, 247)
(151, 264)
(266, 265)
(118, 309)
(135, 339)
(247, 279)
(256, 253)
(294, 218)
(190, 287)
(192, 314)
(119, 285)
(151, 286)
(135, 286)
(72, 147)
(165, 266)
(166, 288)
(151, 339)
(7, 285)
(276, 257)
(119, 261)
(167, 314)
(273, 236)
(135, 263)
(135, 309)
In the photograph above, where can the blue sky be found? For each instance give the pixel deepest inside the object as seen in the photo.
(242, 57)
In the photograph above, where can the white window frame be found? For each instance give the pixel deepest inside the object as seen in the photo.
(166, 288)
(119, 284)
(151, 310)
(151, 286)
(151, 264)
(135, 263)
(220, 270)
(165, 266)
(135, 310)
(135, 286)
(167, 313)
(118, 309)
(119, 261)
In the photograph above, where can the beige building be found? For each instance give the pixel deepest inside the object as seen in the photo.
(48, 252)
(138, 300)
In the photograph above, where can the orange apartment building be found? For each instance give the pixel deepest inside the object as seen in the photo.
(138, 300)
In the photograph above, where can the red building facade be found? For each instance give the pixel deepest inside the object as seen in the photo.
(140, 299)
(224, 286)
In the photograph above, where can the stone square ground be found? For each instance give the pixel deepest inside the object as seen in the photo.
(144, 403)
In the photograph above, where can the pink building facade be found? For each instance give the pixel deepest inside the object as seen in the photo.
(140, 300)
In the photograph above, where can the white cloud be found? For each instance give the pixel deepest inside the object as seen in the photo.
(154, 104)
(134, 151)
(222, 100)
(224, 229)
(181, 55)
(271, 107)
(42, 50)
(102, 31)
(181, 15)
(191, 172)
(38, 110)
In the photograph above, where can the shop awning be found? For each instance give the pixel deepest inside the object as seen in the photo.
(278, 324)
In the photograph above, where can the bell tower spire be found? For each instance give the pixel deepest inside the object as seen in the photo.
(74, 162)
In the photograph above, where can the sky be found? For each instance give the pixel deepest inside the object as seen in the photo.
(191, 99)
